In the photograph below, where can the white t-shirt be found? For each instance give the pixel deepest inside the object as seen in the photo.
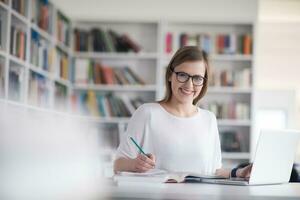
(188, 144)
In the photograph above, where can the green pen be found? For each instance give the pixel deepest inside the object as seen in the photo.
(140, 148)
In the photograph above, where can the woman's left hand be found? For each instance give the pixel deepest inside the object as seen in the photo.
(244, 172)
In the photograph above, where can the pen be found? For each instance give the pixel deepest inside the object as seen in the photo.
(140, 148)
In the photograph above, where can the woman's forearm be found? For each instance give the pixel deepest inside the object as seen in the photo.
(123, 164)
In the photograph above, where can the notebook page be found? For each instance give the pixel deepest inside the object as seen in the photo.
(151, 172)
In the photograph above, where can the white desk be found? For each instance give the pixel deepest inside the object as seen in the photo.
(205, 191)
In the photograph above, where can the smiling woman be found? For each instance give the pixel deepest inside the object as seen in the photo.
(175, 132)
(195, 64)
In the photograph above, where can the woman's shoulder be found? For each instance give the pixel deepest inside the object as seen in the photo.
(147, 108)
(207, 113)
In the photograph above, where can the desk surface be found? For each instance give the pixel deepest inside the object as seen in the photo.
(204, 191)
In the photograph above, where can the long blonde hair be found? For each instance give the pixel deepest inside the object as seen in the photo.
(184, 54)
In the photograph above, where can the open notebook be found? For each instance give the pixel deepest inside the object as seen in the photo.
(161, 176)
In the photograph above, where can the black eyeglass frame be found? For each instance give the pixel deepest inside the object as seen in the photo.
(189, 76)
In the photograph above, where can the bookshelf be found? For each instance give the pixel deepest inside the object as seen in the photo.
(222, 94)
(66, 75)
(31, 69)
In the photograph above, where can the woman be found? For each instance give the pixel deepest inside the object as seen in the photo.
(179, 135)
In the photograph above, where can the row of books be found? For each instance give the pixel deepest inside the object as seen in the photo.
(19, 6)
(41, 14)
(62, 61)
(16, 75)
(88, 71)
(106, 105)
(45, 57)
(99, 40)
(218, 44)
(61, 96)
(233, 141)
(41, 54)
(63, 28)
(18, 42)
(231, 110)
(231, 78)
(38, 91)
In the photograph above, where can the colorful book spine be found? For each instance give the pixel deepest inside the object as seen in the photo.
(63, 28)
(63, 63)
(169, 42)
(229, 110)
(38, 93)
(99, 40)
(219, 44)
(239, 78)
(18, 42)
(87, 71)
(105, 105)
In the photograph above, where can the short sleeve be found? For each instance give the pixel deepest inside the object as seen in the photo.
(136, 129)
(217, 149)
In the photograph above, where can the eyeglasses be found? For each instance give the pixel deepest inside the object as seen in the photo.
(183, 77)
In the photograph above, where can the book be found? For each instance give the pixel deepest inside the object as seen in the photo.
(81, 71)
(38, 91)
(61, 96)
(168, 41)
(63, 28)
(161, 176)
(19, 6)
(16, 76)
(18, 42)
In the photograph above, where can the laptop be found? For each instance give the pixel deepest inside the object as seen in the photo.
(273, 161)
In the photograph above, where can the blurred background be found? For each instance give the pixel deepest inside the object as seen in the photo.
(98, 60)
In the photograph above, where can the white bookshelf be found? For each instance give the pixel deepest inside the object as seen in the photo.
(13, 17)
(93, 55)
(150, 64)
(142, 88)
(236, 156)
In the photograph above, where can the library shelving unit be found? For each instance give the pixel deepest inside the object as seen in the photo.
(35, 54)
(83, 67)
(87, 90)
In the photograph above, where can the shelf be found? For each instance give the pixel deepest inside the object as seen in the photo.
(113, 120)
(17, 60)
(43, 33)
(20, 17)
(220, 57)
(40, 71)
(114, 55)
(236, 155)
(237, 57)
(62, 46)
(142, 88)
(4, 6)
(3, 53)
(63, 82)
(229, 90)
(233, 122)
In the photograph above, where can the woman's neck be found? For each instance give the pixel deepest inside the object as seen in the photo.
(180, 109)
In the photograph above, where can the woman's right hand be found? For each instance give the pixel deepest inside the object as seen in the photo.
(143, 163)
